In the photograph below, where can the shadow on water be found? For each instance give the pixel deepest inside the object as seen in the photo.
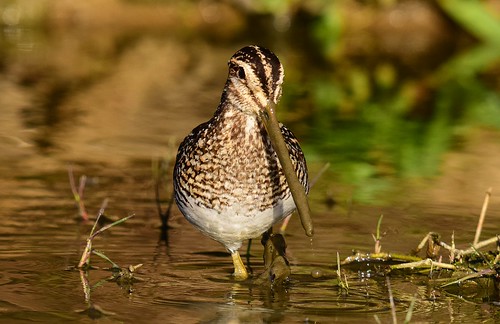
(406, 113)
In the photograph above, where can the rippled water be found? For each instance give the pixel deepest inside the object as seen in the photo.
(187, 278)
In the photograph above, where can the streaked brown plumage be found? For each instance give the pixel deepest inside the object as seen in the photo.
(228, 180)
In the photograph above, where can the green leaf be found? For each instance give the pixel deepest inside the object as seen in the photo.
(474, 17)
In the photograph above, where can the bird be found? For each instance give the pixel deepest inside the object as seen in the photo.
(229, 176)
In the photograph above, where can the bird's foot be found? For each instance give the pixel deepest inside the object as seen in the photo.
(240, 272)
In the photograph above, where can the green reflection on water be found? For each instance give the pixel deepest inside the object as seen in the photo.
(379, 117)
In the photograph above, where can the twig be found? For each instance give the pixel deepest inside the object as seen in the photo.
(424, 263)
(84, 260)
(452, 251)
(102, 229)
(382, 256)
(78, 194)
(479, 245)
(456, 253)
(422, 243)
(482, 216)
(391, 301)
(497, 258)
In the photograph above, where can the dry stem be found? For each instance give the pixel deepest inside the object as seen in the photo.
(84, 260)
(424, 263)
(78, 194)
(482, 216)
(88, 248)
(455, 253)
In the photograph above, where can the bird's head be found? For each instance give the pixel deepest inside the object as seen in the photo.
(255, 78)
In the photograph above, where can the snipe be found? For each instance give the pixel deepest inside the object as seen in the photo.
(233, 174)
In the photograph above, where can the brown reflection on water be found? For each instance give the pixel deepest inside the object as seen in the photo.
(130, 112)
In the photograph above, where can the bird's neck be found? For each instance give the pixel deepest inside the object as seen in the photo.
(239, 97)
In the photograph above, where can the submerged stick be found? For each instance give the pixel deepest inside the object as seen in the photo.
(391, 301)
(482, 216)
(298, 193)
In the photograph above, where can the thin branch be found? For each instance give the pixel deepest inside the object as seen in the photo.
(78, 193)
(84, 260)
(102, 229)
(479, 245)
(482, 216)
(423, 264)
(452, 251)
(81, 185)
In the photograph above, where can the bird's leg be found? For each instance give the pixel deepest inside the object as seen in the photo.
(249, 245)
(240, 272)
(285, 224)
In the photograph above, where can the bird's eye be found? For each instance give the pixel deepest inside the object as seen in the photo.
(241, 73)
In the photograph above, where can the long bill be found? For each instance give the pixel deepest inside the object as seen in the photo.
(298, 192)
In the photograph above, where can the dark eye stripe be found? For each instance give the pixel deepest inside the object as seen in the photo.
(260, 71)
(274, 62)
(266, 66)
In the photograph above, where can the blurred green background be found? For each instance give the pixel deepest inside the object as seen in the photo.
(384, 90)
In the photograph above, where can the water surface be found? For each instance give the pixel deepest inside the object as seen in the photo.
(107, 102)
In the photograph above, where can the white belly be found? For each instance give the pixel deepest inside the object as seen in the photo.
(234, 224)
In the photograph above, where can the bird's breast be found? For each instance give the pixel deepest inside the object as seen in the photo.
(230, 163)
